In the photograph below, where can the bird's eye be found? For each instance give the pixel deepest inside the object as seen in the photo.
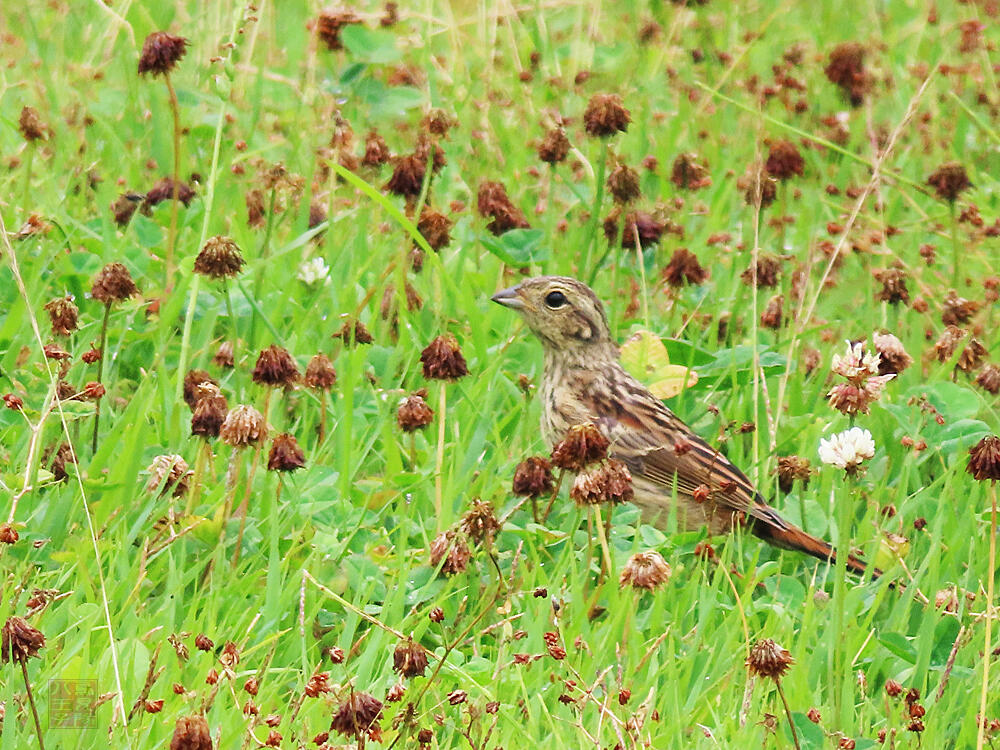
(555, 300)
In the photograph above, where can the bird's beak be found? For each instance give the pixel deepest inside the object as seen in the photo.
(509, 298)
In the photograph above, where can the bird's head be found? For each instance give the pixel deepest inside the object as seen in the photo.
(564, 313)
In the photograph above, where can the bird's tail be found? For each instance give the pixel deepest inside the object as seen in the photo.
(786, 536)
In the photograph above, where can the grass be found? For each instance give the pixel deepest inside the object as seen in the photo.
(339, 558)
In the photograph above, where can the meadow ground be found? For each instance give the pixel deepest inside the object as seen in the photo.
(791, 176)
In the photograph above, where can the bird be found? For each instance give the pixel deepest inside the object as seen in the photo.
(584, 382)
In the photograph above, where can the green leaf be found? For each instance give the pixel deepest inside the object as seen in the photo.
(370, 45)
(518, 247)
(147, 231)
(810, 735)
(897, 644)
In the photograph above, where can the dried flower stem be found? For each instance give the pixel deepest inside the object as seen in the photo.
(788, 713)
(172, 235)
(439, 463)
(595, 209)
(956, 249)
(31, 702)
(602, 538)
(204, 455)
(232, 318)
(321, 430)
(555, 494)
(987, 649)
(100, 373)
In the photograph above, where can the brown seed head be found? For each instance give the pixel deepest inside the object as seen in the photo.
(31, 126)
(220, 258)
(223, 356)
(354, 334)
(683, 269)
(443, 360)
(784, 160)
(984, 459)
(645, 570)
(376, 150)
(285, 454)
(435, 227)
(758, 186)
(608, 482)
(408, 176)
(275, 368)
(168, 473)
(330, 22)
(480, 523)
(357, 716)
(605, 115)
(161, 52)
(124, 206)
(164, 191)
(192, 381)
(13, 401)
(989, 379)
(623, 184)
(493, 203)
(113, 283)
(642, 223)
(893, 689)
(210, 411)
(689, 172)
(203, 643)
(409, 659)
(318, 684)
(893, 288)
(768, 270)
(773, 315)
(20, 640)
(244, 426)
(846, 69)
(413, 414)
(949, 181)
(791, 468)
(957, 309)
(947, 343)
(768, 660)
(893, 358)
(63, 315)
(63, 455)
(438, 122)
(583, 445)
(320, 374)
(451, 551)
(972, 356)
(554, 147)
(191, 733)
(9, 535)
(533, 477)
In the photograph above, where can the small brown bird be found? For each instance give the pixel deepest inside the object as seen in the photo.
(584, 382)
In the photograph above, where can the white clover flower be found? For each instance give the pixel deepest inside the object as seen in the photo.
(848, 449)
(313, 271)
(856, 363)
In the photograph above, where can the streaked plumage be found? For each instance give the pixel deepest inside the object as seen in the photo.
(583, 382)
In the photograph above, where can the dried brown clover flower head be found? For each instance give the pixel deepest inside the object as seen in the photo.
(435, 227)
(645, 570)
(320, 374)
(209, 413)
(608, 482)
(984, 459)
(191, 733)
(957, 309)
(285, 454)
(438, 122)
(414, 413)
(949, 181)
(31, 126)
(113, 283)
(605, 115)
(893, 358)
(408, 176)
(244, 426)
(480, 523)
(409, 659)
(623, 184)
(451, 551)
(773, 316)
(972, 356)
(329, 24)
(224, 355)
(554, 147)
(493, 203)
(20, 641)
(533, 477)
(989, 379)
(791, 468)
(583, 445)
(893, 288)
(192, 380)
(846, 69)
(759, 188)
(275, 368)
(168, 473)
(124, 206)
(641, 223)
(946, 344)
(219, 258)
(784, 160)
(161, 52)
(689, 172)
(683, 269)
(354, 333)
(163, 190)
(443, 360)
(376, 150)
(357, 716)
(768, 660)
(63, 315)
(768, 269)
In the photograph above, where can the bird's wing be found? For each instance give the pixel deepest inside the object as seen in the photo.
(657, 446)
